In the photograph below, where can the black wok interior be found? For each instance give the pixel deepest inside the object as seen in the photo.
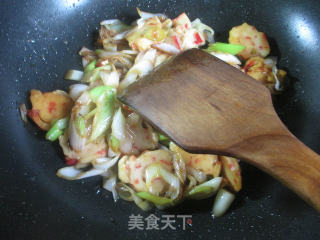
(39, 42)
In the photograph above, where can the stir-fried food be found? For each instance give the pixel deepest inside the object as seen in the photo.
(255, 42)
(48, 107)
(266, 72)
(101, 136)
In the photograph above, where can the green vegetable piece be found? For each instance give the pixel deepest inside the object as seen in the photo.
(98, 51)
(114, 143)
(155, 199)
(88, 71)
(105, 104)
(165, 142)
(90, 114)
(162, 137)
(205, 190)
(226, 48)
(80, 125)
(93, 75)
(155, 34)
(90, 66)
(53, 135)
(56, 130)
(96, 92)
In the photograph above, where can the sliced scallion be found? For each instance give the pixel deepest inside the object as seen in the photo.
(226, 48)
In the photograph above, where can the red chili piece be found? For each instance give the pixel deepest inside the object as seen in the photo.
(249, 65)
(176, 42)
(198, 38)
(52, 107)
(71, 161)
(166, 162)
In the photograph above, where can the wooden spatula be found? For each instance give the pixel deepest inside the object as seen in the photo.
(208, 106)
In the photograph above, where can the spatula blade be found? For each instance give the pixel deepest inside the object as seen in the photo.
(202, 103)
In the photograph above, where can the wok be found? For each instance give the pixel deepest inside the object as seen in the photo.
(39, 42)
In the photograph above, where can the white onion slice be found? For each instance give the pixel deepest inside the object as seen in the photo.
(147, 15)
(197, 174)
(118, 125)
(130, 52)
(222, 202)
(110, 185)
(23, 112)
(126, 145)
(106, 54)
(166, 48)
(110, 21)
(226, 57)
(160, 59)
(277, 86)
(101, 166)
(272, 62)
(109, 46)
(76, 141)
(74, 75)
(269, 62)
(149, 55)
(85, 51)
(115, 26)
(72, 173)
(204, 29)
(61, 93)
(140, 23)
(76, 90)
(130, 78)
(69, 173)
(90, 173)
(111, 153)
(142, 67)
(85, 62)
(120, 36)
(110, 78)
(105, 163)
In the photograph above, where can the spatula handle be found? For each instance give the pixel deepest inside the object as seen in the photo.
(288, 160)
